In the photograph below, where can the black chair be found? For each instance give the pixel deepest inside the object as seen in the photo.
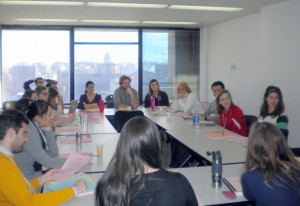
(121, 117)
(110, 101)
(9, 105)
(250, 119)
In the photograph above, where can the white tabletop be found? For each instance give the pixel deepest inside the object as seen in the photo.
(232, 151)
(200, 179)
(97, 124)
(100, 163)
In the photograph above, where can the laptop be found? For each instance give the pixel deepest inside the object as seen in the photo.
(73, 106)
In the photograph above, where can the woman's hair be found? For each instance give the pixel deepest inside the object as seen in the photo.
(219, 106)
(28, 93)
(150, 93)
(184, 85)
(280, 106)
(138, 146)
(122, 78)
(269, 153)
(87, 84)
(40, 89)
(37, 108)
(23, 104)
(52, 93)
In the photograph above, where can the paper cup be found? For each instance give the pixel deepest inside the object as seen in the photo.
(99, 148)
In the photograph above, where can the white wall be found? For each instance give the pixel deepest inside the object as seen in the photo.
(265, 47)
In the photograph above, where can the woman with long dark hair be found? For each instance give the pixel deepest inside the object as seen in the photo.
(272, 174)
(90, 99)
(161, 98)
(135, 175)
(231, 116)
(40, 152)
(272, 109)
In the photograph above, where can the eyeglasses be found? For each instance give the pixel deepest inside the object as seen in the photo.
(46, 94)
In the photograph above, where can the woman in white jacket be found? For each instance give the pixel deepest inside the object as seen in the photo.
(185, 100)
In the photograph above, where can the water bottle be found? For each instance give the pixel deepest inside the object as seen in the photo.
(101, 106)
(78, 138)
(152, 103)
(216, 169)
(85, 123)
(196, 120)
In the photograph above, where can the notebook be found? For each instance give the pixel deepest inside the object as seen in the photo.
(73, 106)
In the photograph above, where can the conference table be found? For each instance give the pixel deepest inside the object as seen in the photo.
(200, 179)
(102, 132)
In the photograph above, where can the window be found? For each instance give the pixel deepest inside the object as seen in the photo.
(102, 56)
(27, 54)
(171, 56)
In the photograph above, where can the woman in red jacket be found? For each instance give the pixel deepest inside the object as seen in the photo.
(231, 116)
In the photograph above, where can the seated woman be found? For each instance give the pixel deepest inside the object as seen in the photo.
(185, 100)
(40, 151)
(272, 109)
(23, 104)
(161, 98)
(135, 175)
(272, 174)
(89, 100)
(56, 102)
(42, 92)
(231, 116)
(30, 94)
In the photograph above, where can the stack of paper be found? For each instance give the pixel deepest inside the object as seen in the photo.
(235, 183)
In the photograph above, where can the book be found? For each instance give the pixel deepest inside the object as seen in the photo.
(59, 185)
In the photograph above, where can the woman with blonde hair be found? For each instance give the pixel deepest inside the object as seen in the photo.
(272, 174)
(185, 100)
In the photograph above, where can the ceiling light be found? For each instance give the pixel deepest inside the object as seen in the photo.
(206, 8)
(169, 22)
(47, 20)
(110, 21)
(130, 5)
(46, 3)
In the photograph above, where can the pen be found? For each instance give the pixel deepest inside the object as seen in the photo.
(230, 187)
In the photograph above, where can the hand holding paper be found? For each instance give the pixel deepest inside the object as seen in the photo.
(73, 163)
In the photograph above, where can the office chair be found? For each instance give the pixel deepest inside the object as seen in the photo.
(250, 119)
(121, 117)
(110, 101)
(9, 105)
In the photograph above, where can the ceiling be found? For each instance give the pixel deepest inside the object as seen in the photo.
(9, 13)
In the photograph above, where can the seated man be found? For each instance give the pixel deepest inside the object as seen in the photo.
(211, 114)
(126, 96)
(15, 189)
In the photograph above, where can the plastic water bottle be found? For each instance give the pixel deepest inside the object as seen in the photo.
(196, 120)
(152, 103)
(216, 169)
(101, 106)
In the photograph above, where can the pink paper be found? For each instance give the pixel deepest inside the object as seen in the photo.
(72, 139)
(219, 135)
(93, 120)
(73, 163)
(67, 129)
(236, 183)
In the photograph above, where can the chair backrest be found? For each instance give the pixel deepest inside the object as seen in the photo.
(110, 101)
(121, 117)
(250, 119)
(9, 105)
